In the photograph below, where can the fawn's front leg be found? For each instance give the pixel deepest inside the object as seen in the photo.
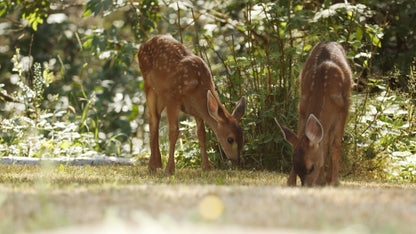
(202, 141)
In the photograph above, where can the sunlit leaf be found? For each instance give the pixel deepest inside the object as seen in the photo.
(87, 44)
(298, 8)
(358, 34)
(86, 13)
(307, 47)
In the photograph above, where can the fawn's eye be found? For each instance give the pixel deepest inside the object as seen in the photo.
(230, 140)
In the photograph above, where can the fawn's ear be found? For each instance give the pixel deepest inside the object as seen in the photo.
(239, 109)
(288, 134)
(212, 106)
(314, 130)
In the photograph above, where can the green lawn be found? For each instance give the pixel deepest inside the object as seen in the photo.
(127, 199)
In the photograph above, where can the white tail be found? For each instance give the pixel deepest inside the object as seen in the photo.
(325, 83)
(176, 79)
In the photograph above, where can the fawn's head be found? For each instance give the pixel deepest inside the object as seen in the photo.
(307, 151)
(227, 128)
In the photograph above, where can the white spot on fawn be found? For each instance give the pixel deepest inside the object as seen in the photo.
(191, 83)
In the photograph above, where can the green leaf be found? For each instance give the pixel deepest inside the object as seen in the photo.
(98, 8)
(86, 13)
(93, 6)
(107, 4)
(356, 44)
(307, 47)
(365, 63)
(34, 19)
(87, 44)
(298, 8)
(375, 41)
(219, 181)
(3, 12)
(359, 34)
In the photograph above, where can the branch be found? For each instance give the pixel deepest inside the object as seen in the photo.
(7, 98)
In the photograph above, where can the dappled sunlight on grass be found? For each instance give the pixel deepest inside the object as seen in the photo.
(90, 175)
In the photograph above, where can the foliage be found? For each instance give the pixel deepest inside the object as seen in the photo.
(33, 11)
(383, 132)
(37, 132)
(399, 41)
(86, 89)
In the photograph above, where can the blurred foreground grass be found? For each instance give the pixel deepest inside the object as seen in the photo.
(127, 199)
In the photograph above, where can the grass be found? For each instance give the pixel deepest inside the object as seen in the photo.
(127, 199)
(68, 176)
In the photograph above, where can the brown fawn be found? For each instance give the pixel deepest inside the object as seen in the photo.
(325, 86)
(176, 79)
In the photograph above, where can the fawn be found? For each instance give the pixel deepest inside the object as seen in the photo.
(176, 79)
(325, 86)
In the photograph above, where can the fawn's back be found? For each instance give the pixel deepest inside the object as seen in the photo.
(325, 85)
(170, 68)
